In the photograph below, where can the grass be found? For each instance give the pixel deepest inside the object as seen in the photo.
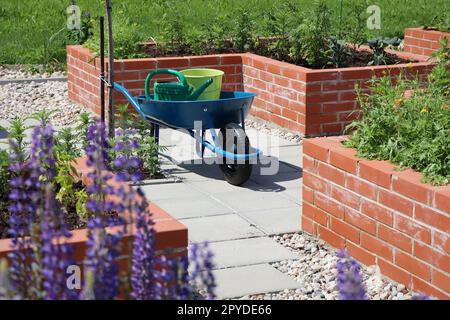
(35, 33)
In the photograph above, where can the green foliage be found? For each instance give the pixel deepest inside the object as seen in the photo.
(440, 76)
(148, 150)
(280, 20)
(355, 24)
(440, 22)
(25, 29)
(43, 116)
(17, 135)
(411, 132)
(83, 123)
(86, 31)
(337, 50)
(378, 46)
(310, 38)
(4, 173)
(243, 35)
(67, 143)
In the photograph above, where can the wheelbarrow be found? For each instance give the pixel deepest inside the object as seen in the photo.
(227, 114)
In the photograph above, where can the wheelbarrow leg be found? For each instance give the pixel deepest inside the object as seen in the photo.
(156, 133)
(199, 147)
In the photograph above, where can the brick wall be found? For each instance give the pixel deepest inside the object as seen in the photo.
(380, 215)
(424, 42)
(83, 71)
(312, 102)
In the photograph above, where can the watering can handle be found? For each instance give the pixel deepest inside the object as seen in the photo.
(175, 73)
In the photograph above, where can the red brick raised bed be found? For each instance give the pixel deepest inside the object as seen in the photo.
(424, 42)
(380, 215)
(171, 235)
(312, 102)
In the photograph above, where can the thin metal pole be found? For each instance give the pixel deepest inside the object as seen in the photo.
(102, 69)
(110, 71)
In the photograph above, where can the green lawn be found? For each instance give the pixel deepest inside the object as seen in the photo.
(27, 27)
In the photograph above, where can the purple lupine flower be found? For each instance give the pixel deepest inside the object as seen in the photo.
(127, 164)
(420, 296)
(144, 276)
(349, 278)
(97, 153)
(26, 204)
(101, 260)
(201, 264)
(56, 256)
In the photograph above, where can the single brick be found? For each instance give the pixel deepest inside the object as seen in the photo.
(360, 221)
(395, 273)
(442, 199)
(440, 280)
(432, 218)
(344, 229)
(315, 214)
(413, 265)
(441, 241)
(376, 246)
(330, 237)
(307, 194)
(345, 196)
(308, 225)
(360, 186)
(412, 228)
(378, 172)
(422, 286)
(330, 173)
(433, 257)
(395, 238)
(408, 183)
(360, 254)
(345, 159)
(377, 212)
(396, 202)
(329, 205)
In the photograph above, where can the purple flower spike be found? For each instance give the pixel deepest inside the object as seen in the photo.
(349, 278)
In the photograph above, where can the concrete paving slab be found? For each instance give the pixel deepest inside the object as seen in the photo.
(220, 186)
(275, 221)
(250, 200)
(193, 207)
(220, 228)
(169, 191)
(242, 281)
(249, 252)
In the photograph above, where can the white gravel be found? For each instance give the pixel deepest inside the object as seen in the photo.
(273, 129)
(20, 72)
(316, 271)
(24, 99)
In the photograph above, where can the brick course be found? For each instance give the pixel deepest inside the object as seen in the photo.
(381, 215)
(423, 42)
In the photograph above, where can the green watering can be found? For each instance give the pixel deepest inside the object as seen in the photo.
(173, 91)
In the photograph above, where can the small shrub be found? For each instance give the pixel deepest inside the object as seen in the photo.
(310, 38)
(411, 132)
(244, 31)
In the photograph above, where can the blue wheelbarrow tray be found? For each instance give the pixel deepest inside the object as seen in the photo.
(231, 108)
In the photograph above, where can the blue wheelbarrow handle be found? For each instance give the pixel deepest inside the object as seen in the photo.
(130, 98)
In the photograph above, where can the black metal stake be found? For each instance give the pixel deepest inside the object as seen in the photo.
(110, 71)
(102, 69)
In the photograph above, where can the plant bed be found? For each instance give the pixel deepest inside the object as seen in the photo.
(171, 235)
(383, 214)
(423, 41)
(380, 215)
(312, 102)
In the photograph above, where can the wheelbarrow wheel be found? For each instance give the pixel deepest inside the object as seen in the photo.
(236, 172)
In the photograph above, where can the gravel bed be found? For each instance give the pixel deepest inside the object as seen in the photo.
(24, 99)
(273, 129)
(19, 72)
(316, 270)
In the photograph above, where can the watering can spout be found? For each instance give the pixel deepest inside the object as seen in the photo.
(194, 95)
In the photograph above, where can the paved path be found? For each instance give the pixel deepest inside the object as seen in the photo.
(237, 221)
